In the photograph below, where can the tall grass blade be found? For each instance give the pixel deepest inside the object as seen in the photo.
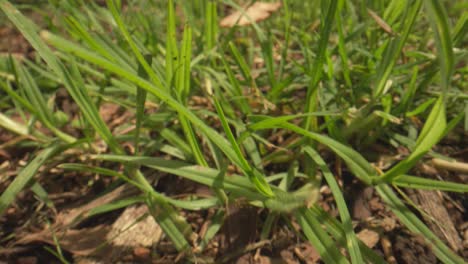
(318, 237)
(431, 133)
(410, 220)
(255, 177)
(394, 47)
(25, 176)
(351, 239)
(440, 26)
(136, 52)
(316, 69)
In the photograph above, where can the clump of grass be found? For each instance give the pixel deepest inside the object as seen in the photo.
(345, 86)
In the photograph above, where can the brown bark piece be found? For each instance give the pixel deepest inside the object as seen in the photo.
(441, 223)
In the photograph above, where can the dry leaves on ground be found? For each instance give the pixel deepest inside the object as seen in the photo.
(254, 13)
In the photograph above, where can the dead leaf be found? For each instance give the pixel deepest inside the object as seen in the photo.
(76, 215)
(257, 12)
(369, 237)
(306, 253)
(81, 242)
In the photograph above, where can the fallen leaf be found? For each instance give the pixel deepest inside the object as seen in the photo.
(369, 237)
(81, 242)
(254, 13)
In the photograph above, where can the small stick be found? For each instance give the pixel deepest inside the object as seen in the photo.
(451, 165)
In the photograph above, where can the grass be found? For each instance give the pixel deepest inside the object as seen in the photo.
(328, 76)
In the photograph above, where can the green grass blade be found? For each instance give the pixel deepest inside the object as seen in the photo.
(439, 21)
(73, 82)
(182, 71)
(22, 179)
(29, 31)
(342, 48)
(240, 99)
(140, 105)
(97, 44)
(255, 177)
(235, 184)
(409, 181)
(335, 228)
(351, 239)
(357, 164)
(182, 86)
(415, 225)
(430, 135)
(217, 139)
(174, 227)
(76, 87)
(316, 69)
(136, 52)
(394, 47)
(12, 125)
(36, 99)
(211, 25)
(318, 237)
(172, 55)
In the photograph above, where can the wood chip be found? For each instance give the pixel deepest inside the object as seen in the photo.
(369, 237)
(135, 228)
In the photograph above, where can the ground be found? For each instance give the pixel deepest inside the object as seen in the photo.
(30, 226)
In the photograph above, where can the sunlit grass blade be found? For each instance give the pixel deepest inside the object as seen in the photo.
(182, 70)
(256, 178)
(97, 44)
(182, 90)
(136, 52)
(35, 97)
(394, 47)
(75, 86)
(409, 181)
(278, 87)
(235, 184)
(342, 49)
(177, 141)
(171, 223)
(197, 204)
(239, 98)
(460, 31)
(352, 241)
(12, 125)
(140, 105)
(316, 69)
(335, 228)
(73, 81)
(221, 142)
(411, 221)
(429, 136)
(22, 179)
(439, 22)
(29, 31)
(172, 54)
(240, 61)
(211, 25)
(357, 164)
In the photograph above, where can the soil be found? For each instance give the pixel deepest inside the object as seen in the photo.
(30, 227)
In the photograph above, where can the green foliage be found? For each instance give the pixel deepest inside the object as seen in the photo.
(324, 74)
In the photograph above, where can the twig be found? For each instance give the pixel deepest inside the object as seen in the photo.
(451, 165)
